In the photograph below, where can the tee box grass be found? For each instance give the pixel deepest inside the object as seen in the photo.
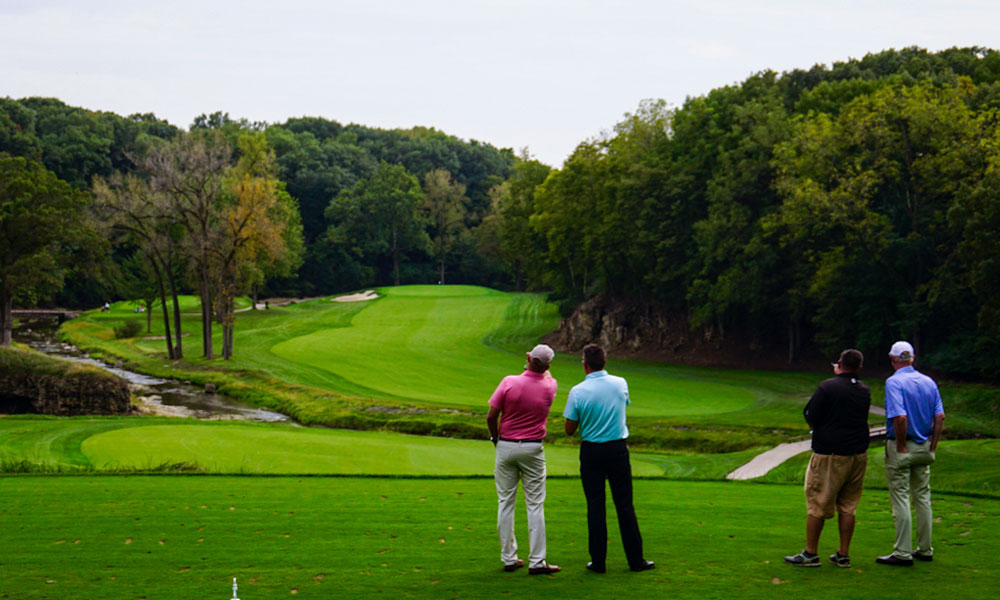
(116, 537)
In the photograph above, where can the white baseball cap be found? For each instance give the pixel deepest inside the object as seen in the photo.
(901, 349)
(542, 353)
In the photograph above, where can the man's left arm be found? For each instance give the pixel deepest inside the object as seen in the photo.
(899, 428)
(936, 432)
(493, 422)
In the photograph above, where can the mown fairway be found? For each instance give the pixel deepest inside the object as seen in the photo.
(452, 344)
(438, 345)
(121, 537)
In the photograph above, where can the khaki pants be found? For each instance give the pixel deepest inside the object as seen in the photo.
(524, 461)
(909, 476)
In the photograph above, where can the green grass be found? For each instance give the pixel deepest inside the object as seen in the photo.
(120, 537)
(89, 444)
(425, 343)
(94, 444)
(249, 449)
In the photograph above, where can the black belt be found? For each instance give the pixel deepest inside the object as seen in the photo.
(908, 438)
(503, 439)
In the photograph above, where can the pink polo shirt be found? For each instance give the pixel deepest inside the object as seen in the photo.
(524, 401)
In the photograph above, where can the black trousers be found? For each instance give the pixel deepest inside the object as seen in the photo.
(609, 461)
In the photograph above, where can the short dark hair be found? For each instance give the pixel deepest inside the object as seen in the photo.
(594, 357)
(851, 359)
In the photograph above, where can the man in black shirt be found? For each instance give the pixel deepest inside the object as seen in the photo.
(838, 414)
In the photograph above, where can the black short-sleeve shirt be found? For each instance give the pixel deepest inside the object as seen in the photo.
(838, 414)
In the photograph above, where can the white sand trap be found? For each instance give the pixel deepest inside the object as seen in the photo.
(365, 295)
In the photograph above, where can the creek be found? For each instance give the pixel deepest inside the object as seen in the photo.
(157, 396)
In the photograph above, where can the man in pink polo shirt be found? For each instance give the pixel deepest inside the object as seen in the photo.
(519, 409)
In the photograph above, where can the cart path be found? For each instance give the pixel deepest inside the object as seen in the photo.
(764, 462)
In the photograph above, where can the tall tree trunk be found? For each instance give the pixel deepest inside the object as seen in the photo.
(168, 267)
(441, 277)
(166, 309)
(206, 317)
(178, 348)
(6, 318)
(229, 309)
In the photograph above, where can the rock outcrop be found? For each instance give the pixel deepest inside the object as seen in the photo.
(34, 383)
(624, 327)
(647, 331)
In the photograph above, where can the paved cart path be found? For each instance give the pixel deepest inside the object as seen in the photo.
(764, 462)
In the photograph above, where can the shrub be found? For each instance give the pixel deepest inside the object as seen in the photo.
(414, 427)
(466, 431)
(128, 329)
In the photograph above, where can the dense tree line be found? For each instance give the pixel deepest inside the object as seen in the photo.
(316, 161)
(841, 206)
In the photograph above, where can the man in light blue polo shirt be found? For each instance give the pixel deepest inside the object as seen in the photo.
(914, 418)
(597, 407)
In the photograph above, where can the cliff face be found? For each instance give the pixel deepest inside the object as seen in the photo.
(621, 326)
(33, 383)
(647, 331)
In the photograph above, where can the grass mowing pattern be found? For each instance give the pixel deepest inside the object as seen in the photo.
(442, 344)
(89, 444)
(256, 449)
(101, 537)
(412, 344)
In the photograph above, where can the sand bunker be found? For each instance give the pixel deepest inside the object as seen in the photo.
(365, 295)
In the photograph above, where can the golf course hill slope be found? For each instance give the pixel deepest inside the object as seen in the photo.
(451, 345)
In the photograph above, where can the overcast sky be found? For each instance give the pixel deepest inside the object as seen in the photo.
(545, 74)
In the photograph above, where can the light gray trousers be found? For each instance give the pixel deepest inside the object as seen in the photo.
(524, 462)
(909, 476)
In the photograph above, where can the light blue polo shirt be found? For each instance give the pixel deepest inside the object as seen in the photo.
(914, 395)
(598, 404)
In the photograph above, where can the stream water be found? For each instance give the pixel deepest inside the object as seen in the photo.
(157, 396)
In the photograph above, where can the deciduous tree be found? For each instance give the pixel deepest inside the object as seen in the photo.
(444, 207)
(41, 220)
(379, 217)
